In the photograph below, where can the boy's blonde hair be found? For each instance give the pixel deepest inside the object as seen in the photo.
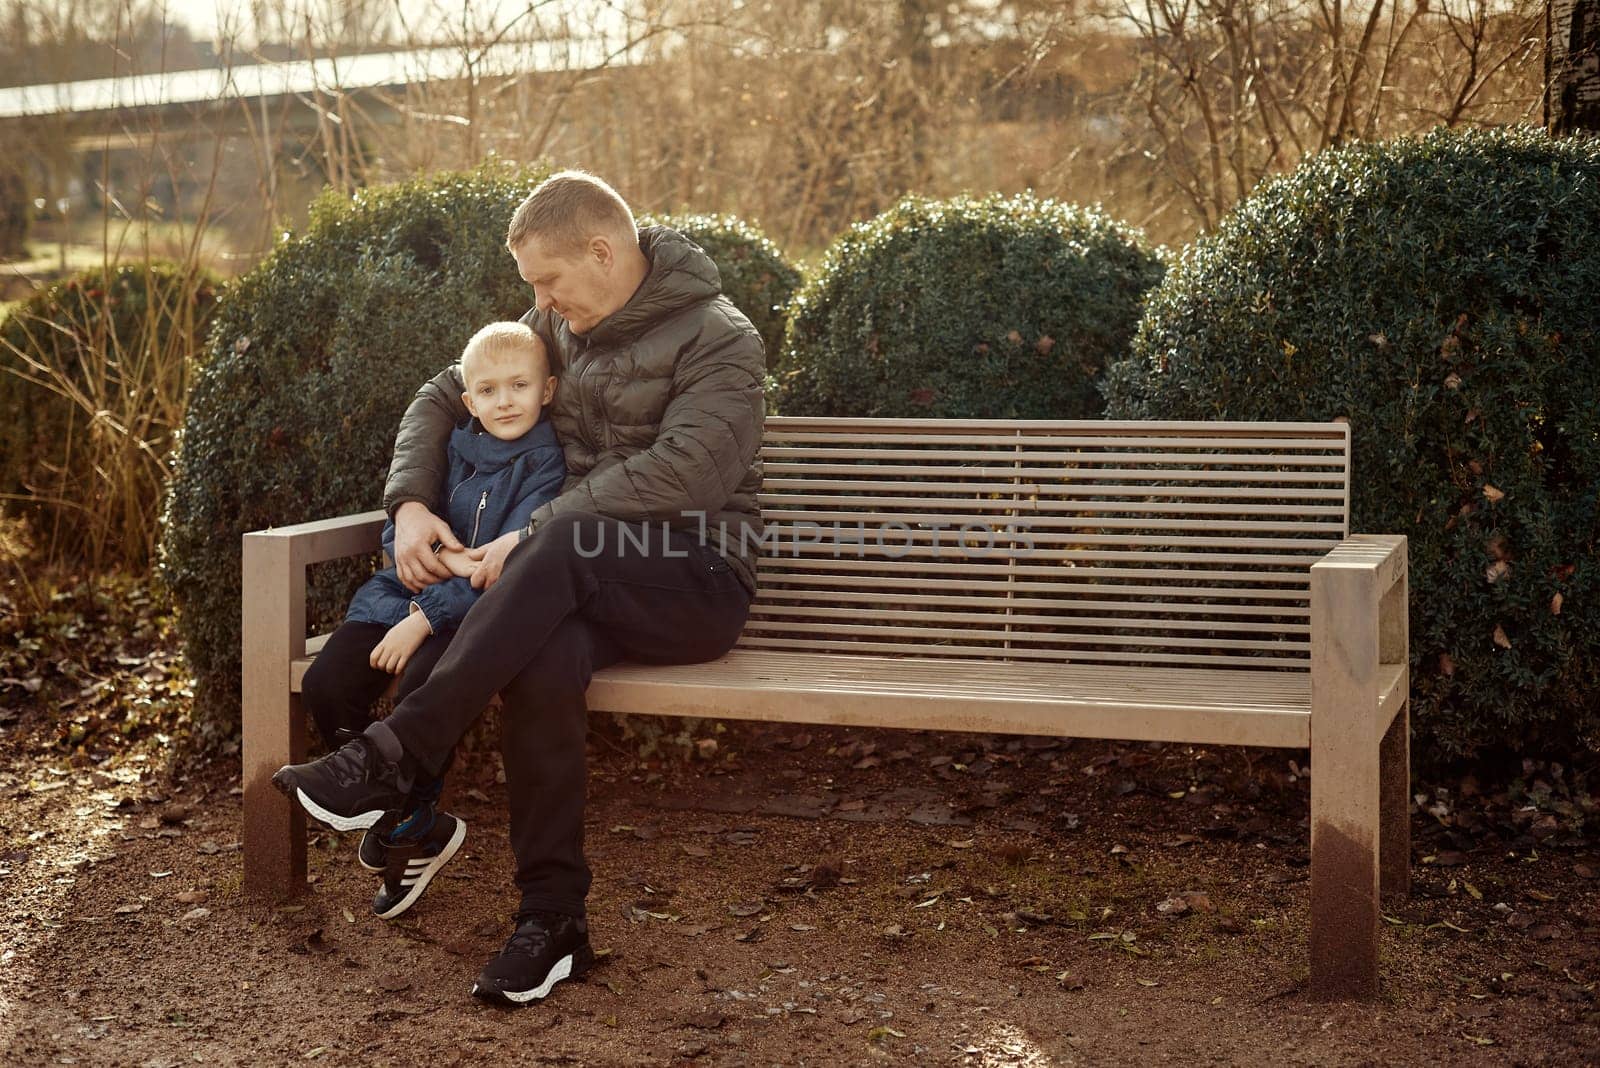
(569, 208)
(497, 338)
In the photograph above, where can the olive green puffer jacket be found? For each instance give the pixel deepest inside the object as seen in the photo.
(659, 410)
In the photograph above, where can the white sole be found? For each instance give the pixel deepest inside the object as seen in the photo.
(338, 823)
(428, 873)
(561, 970)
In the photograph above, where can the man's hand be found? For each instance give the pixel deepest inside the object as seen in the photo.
(416, 531)
(403, 639)
(491, 558)
(460, 563)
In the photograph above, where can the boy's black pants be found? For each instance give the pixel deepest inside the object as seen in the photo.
(341, 684)
(582, 593)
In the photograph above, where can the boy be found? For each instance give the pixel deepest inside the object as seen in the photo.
(503, 463)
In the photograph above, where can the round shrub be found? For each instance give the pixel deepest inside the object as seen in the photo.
(93, 372)
(314, 356)
(755, 276)
(1440, 294)
(1001, 306)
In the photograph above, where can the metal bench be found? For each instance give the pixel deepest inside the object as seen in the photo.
(1190, 582)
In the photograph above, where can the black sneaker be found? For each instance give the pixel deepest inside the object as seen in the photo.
(349, 789)
(372, 854)
(414, 856)
(546, 948)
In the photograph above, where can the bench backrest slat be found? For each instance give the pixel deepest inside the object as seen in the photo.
(1050, 541)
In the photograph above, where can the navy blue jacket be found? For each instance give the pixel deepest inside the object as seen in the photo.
(493, 487)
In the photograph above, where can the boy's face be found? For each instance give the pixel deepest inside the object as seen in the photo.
(508, 389)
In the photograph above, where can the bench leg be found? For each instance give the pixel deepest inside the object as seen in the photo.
(274, 724)
(274, 827)
(1394, 756)
(1344, 872)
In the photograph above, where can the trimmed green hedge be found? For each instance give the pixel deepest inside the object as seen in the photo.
(121, 340)
(755, 275)
(1442, 294)
(1006, 306)
(316, 354)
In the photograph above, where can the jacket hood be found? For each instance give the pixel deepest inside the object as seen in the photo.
(487, 453)
(681, 275)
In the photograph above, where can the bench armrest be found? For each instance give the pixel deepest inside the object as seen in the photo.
(275, 562)
(1359, 628)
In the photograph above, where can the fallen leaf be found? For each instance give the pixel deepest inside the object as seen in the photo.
(124, 910)
(1500, 638)
(192, 897)
(1172, 906)
(1497, 571)
(1070, 981)
(197, 914)
(1555, 605)
(394, 982)
(1494, 495)
(747, 908)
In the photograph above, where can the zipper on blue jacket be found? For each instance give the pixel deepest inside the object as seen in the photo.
(483, 502)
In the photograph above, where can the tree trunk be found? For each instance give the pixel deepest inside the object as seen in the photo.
(1572, 67)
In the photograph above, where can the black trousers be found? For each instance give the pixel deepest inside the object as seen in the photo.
(582, 593)
(341, 684)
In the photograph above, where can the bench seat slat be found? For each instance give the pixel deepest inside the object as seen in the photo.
(1209, 706)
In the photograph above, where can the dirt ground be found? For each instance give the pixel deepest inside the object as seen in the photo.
(805, 896)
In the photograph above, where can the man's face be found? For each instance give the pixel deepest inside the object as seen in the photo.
(507, 390)
(577, 284)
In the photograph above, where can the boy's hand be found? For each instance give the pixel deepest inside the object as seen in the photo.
(403, 639)
(460, 564)
(416, 532)
(491, 558)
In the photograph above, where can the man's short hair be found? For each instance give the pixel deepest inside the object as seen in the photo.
(497, 338)
(569, 208)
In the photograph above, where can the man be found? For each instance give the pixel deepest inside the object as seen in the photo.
(648, 552)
